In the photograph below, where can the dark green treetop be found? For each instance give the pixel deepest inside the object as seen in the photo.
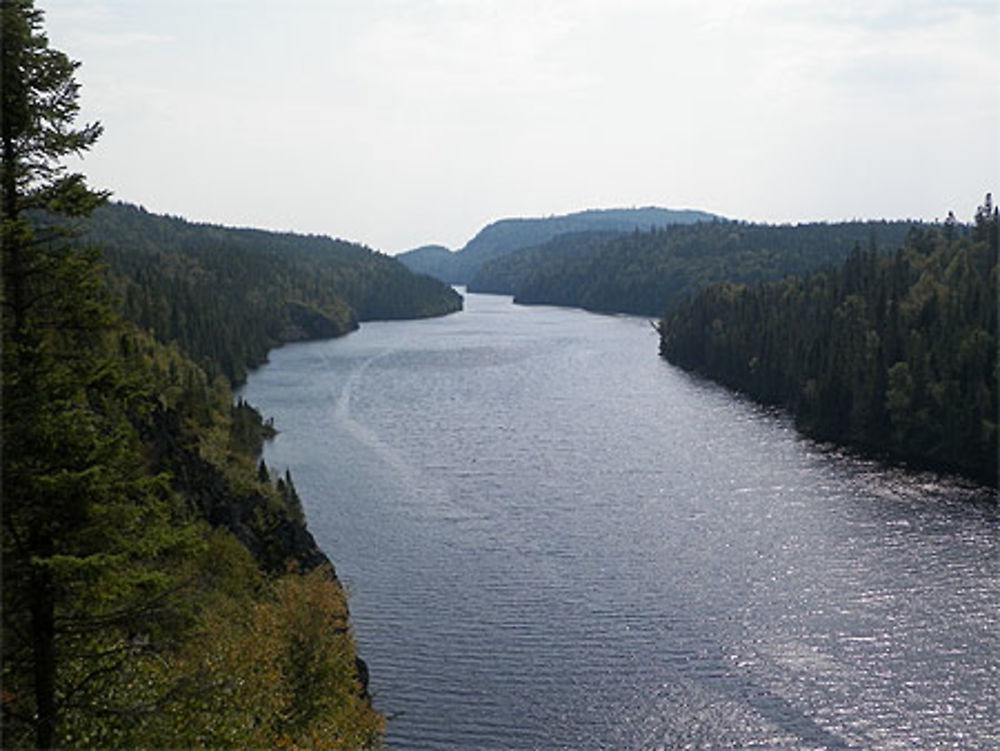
(40, 105)
(86, 530)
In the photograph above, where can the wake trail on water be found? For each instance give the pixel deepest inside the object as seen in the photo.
(393, 465)
(364, 434)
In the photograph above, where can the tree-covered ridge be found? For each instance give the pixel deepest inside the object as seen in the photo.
(646, 273)
(151, 588)
(433, 260)
(896, 355)
(508, 274)
(227, 296)
(204, 616)
(508, 235)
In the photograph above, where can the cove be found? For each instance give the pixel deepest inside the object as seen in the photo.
(554, 539)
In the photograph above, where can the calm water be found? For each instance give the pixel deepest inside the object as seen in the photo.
(553, 539)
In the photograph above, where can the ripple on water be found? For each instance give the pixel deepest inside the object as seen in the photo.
(555, 540)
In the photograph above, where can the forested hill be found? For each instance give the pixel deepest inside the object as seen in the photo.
(227, 296)
(896, 355)
(432, 260)
(160, 587)
(508, 235)
(645, 273)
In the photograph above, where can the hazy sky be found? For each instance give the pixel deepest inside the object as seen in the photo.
(402, 122)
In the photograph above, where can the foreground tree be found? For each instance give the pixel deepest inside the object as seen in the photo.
(86, 531)
(127, 621)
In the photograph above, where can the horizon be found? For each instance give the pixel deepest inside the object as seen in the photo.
(361, 242)
(406, 124)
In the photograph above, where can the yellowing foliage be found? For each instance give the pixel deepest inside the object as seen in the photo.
(278, 672)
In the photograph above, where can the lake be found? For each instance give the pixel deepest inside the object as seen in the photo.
(554, 539)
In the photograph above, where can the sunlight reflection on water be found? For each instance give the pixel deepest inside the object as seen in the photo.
(553, 539)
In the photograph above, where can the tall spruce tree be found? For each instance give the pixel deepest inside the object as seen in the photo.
(896, 355)
(86, 529)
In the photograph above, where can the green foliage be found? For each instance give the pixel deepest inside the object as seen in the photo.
(281, 674)
(516, 272)
(509, 235)
(261, 663)
(647, 273)
(86, 530)
(432, 260)
(209, 444)
(248, 431)
(133, 679)
(134, 522)
(92, 539)
(227, 296)
(897, 355)
(39, 106)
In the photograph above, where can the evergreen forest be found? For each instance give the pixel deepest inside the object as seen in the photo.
(647, 273)
(894, 354)
(160, 586)
(227, 296)
(505, 236)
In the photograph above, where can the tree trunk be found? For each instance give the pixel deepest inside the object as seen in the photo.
(43, 646)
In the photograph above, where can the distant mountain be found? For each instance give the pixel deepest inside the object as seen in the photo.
(507, 235)
(508, 274)
(432, 260)
(647, 273)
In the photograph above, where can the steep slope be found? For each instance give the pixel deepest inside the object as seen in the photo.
(508, 235)
(227, 296)
(159, 589)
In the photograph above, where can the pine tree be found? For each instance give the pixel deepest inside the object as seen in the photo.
(894, 355)
(86, 530)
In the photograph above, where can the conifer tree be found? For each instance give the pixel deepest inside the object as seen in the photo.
(112, 584)
(894, 355)
(86, 529)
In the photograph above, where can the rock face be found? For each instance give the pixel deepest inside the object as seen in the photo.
(361, 673)
(272, 535)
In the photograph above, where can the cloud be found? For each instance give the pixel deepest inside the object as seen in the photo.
(452, 112)
(879, 16)
(74, 12)
(470, 50)
(123, 39)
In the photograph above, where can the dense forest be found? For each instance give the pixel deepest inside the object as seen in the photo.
(646, 273)
(508, 235)
(227, 296)
(160, 587)
(896, 355)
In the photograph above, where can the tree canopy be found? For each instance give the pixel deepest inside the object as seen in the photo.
(895, 354)
(142, 552)
(227, 296)
(509, 235)
(648, 272)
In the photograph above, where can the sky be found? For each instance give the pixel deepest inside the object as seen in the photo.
(399, 123)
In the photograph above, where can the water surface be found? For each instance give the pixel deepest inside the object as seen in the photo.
(554, 539)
